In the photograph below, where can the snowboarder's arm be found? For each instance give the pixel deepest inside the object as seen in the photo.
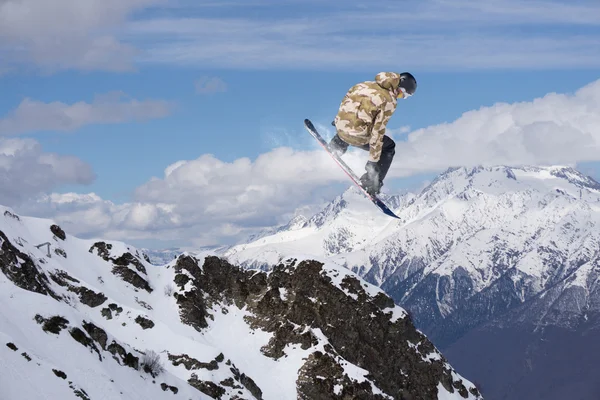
(379, 125)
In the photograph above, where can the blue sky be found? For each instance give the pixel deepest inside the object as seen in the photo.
(98, 98)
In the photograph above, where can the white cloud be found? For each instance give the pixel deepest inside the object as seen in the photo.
(33, 115)
(207, 85)
(26, 171)
(64, 34)
(203, 201)
(114, 34)
(209, 201)
(429, 34)
(554, 129)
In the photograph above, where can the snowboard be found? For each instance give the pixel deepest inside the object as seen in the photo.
(374, 199)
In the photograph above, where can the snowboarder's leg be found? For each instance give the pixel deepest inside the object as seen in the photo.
(337, 146)
(372, 181)
(387, 155)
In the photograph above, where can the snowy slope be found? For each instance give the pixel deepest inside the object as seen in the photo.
(79, 317)
(347, 224)
(494, 235)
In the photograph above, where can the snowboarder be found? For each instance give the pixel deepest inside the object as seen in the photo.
(361, 122)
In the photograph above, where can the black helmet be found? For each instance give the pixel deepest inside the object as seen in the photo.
(408, 83)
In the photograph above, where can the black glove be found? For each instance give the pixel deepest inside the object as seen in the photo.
(373, 170)
(370, 181)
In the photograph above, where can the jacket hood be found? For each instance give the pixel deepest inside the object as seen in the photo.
(388, 80)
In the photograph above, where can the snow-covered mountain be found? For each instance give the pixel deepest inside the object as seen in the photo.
(474, 245)
(96, 320)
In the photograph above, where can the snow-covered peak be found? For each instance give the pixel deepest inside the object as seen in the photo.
(469, 230)
(198, 326)
(501, 179)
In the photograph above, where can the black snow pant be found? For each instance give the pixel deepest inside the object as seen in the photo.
(388, 150)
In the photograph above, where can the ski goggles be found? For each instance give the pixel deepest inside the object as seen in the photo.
(403, 94)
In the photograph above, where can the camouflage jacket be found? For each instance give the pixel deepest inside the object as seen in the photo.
(365, 111)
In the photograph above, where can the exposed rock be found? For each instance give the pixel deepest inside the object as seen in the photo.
(53, 324)
(229, 382)
(86, 296)
(102, 250)
(60, 252)
(61, 277)
(89, 297)
(115, 307)
(191, 363)
(166, 387)
(402, 362)
(191, 303)
(58, 232)
(127, 358)
(26, 356)
(107, 311)
(79, 392)
(143, 303)
(247, 382)
(145, 323)
(322, 378)
(21, 269)
(96, 333)
(127, 259)
(82, 338)
(132, 277)
(59, 373)
(12, 346)
(209, 388)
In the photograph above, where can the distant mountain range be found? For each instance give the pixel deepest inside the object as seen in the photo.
(484, 256)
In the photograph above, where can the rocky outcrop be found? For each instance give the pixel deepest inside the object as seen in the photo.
(58, 232)
(22, 270)
(132, 277)
(122, 265)
(145, 323)
(86, 296)
(295, 300)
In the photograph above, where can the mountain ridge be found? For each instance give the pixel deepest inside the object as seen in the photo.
(199, 325)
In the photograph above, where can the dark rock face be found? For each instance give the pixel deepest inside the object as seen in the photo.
(86, 341)
(53, 324)
(129, 259)
(166, 387)
(102, 249)
(58, 232)
(96, 333)
(207, 387)
(357, 326)
(127, 358)
(86, 296)
(191, 363)
(132, 277)
(89, 297)
(59, 373)
(121, 265)
(332, 375)
(21, 269)
(144, 322)
(107, 311)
